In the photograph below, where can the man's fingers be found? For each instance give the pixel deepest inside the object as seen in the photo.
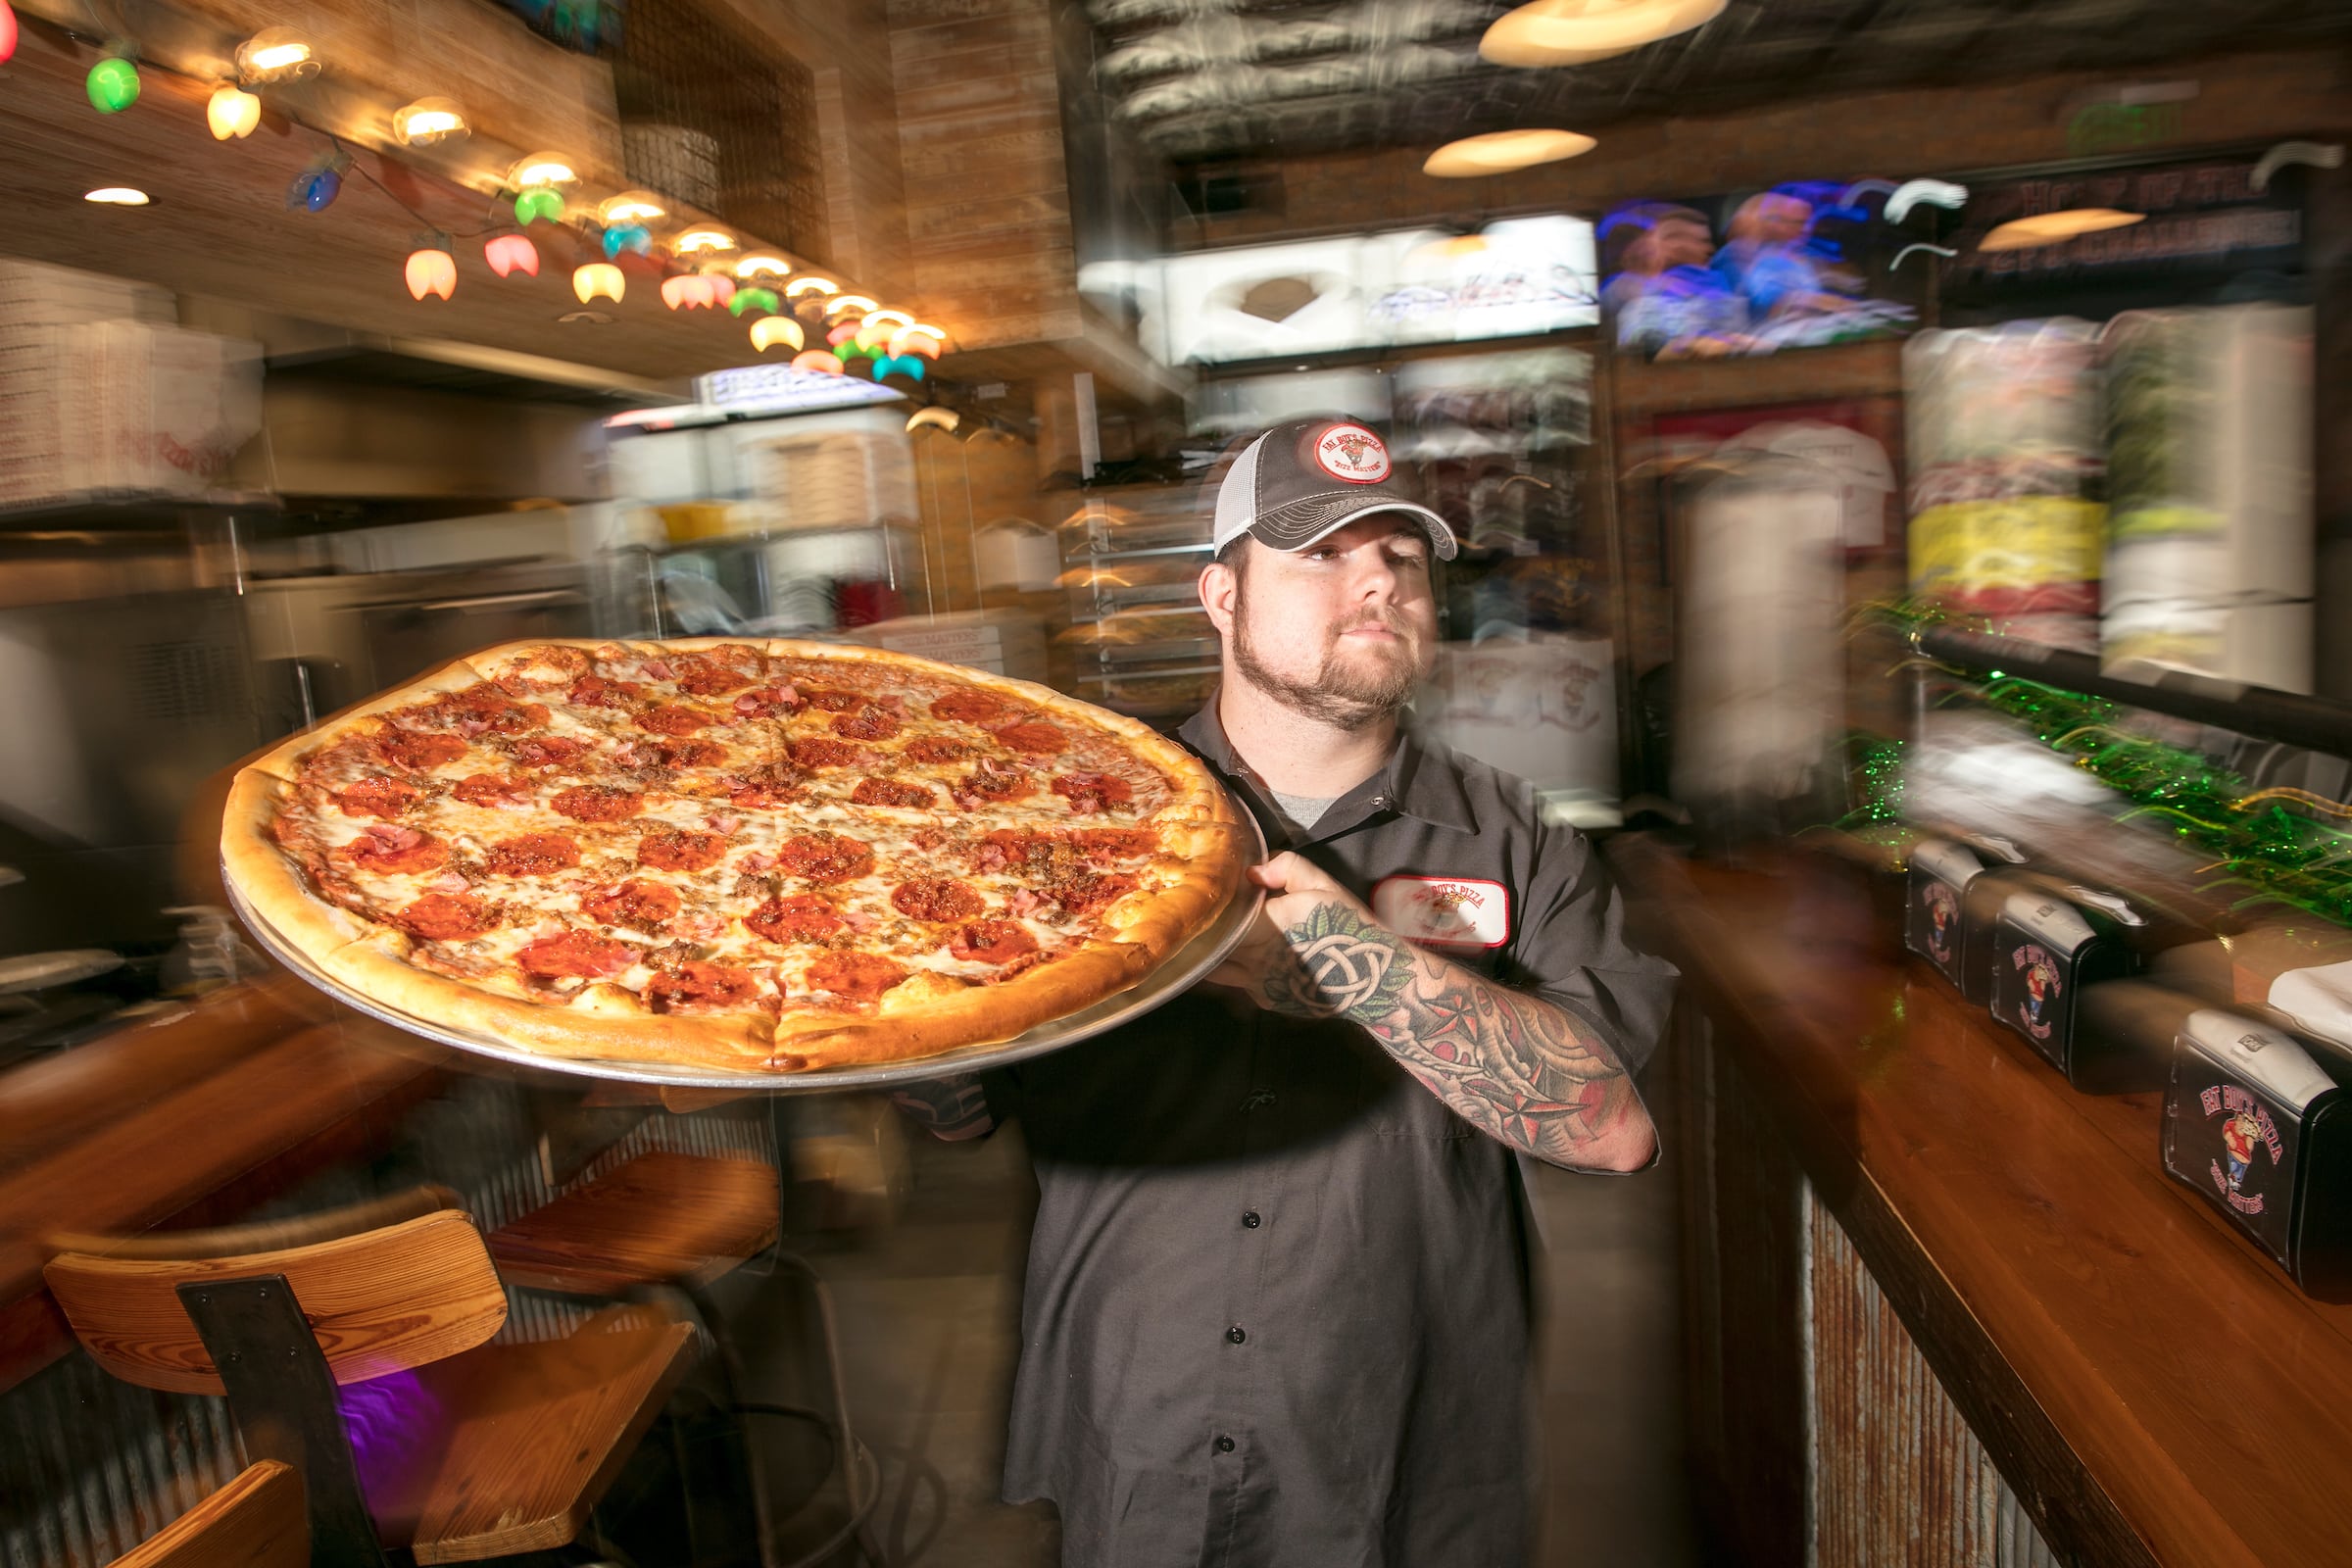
(1289, 872)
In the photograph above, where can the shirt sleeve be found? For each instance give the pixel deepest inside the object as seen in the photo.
(1571, 949)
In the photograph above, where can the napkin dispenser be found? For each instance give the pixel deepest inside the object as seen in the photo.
(1954, 896)
(2049, 946)
(2259, 1123)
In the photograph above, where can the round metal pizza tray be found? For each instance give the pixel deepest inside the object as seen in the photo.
(1183, 969)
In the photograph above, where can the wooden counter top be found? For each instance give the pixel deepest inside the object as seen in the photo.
(238, 1095)
(2148, 1379)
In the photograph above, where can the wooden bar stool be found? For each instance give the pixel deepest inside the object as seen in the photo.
(255, 1521)
(476, 1450)
(684, 1222)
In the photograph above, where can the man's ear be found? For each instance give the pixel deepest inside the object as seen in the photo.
(1220, 591)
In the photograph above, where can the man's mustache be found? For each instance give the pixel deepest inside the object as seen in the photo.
(1391, 621)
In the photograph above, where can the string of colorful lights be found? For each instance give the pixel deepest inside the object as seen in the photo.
(703, 267)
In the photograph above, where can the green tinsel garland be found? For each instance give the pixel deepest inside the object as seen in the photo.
(2254, 839)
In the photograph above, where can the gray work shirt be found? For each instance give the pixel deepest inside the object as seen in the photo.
(1276, 1310)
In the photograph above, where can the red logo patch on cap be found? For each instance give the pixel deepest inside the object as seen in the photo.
(1351, 453)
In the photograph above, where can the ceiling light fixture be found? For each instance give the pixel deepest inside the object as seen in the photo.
(117, 196)
(630, 207)
(2053, 229)
(427, 121)
(232, 112)
(701, 238)
(1502, 151)
(762, 265)
(848, 304)
(541, 169)
(1573, 33)
(277, 54)
(810, 285)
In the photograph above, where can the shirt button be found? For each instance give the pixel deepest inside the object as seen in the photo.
(1234, 1335)
(1250, 1222)
(1259, 1100)
(1224, 1444)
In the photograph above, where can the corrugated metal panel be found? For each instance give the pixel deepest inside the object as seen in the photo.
(1897, 1475)
(90, 1467)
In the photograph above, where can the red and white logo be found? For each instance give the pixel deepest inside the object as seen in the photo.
(1351, 453)
(1440, 911)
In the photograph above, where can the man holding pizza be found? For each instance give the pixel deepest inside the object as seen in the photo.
(1276, 1299)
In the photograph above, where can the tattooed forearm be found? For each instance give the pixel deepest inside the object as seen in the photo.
(1527, 1072)
(953, 1109)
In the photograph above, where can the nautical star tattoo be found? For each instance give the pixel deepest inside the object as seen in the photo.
(1520, 1069)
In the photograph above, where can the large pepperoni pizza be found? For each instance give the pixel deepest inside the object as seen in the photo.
(762, 855)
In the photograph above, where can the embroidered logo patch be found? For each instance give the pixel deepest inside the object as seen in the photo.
(1351, 453)
(1443, 911)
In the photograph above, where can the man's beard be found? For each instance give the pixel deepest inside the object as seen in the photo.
(1342, 693)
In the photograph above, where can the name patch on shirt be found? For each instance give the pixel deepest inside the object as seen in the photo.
(1443, 911)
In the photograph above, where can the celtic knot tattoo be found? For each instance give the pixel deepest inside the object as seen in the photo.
(1519, 1068)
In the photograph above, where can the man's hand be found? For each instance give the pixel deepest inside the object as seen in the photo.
(1288, 962)
(1513, 1065)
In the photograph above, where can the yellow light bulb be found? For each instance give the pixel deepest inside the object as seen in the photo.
(848, 305)
(232, 112)
(277, 54)
(697, 240)
(427, 121)
(541, 169)
(894, 319)
(598, 277)
(770, 330)
(630, 207)
(762, 265)
(810, 285)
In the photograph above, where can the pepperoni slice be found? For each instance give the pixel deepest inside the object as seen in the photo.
(833, 702)
(548, 750)
(488, 789)
(681, 850)
(858, 976)
(815, 751)
(874, 723)
(992, 783)
(826, 856)
(574, 952)
(584, 804)
(413, 749)
(709, 677)
(676, 718)
(396, 849)
(892, 791)
(1115, 843)
(446, 917)
(639, 906)
(768, 785)
(697, 983)
(992, 941)
(969, 705)
(937, 898)
(1084, 892)
(1092, 792)
(595, 691)
(798, 917)
(377, 796)
(533, 855)
(936, 749)
(1035, 737)
(769, 700)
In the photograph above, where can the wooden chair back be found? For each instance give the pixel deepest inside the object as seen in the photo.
(378, 1300)
(257, 1520)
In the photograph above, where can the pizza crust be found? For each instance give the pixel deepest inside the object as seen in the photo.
(927, 1015)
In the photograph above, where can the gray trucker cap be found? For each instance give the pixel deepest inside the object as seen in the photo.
(1301, 480)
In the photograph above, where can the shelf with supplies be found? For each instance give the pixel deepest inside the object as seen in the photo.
(1138, 640)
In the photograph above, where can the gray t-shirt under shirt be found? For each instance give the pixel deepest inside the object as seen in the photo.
(1301, 813)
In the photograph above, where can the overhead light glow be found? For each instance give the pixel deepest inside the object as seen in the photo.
(892, 319)
(1572, 33)
(277, 54)
(427, 121)
(848, 304)
(630, 207)
(2052, 229)
(1502, 151)
(916, 339)
(810, 285)
(232, 112)
(762, 265)
(703, 238)
(541, 169)
(770, 330)
(942, 419)
(598, 277)
(117, 196)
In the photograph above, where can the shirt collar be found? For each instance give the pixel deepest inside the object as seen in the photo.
(1417, 780)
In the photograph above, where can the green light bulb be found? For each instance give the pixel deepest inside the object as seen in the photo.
(113, 86)
(754, 299)
(539, 201)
